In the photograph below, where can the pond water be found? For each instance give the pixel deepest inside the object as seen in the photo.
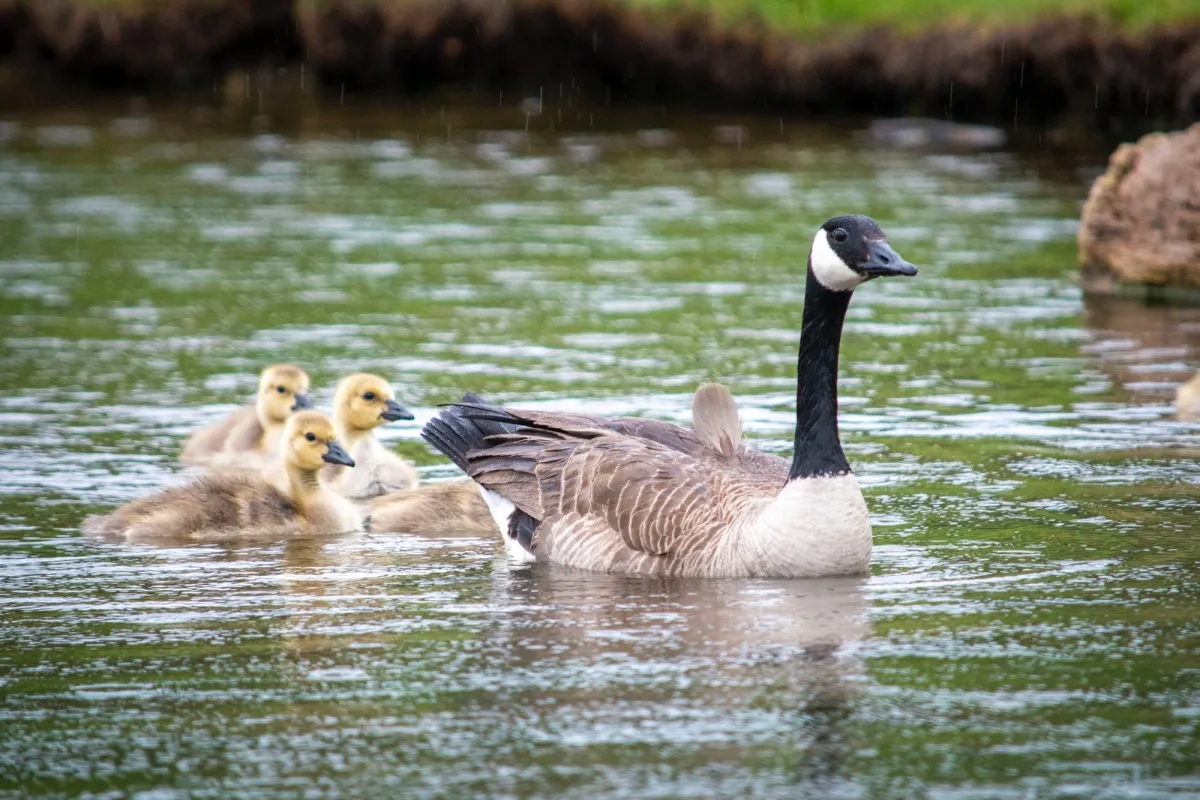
(1031, 625)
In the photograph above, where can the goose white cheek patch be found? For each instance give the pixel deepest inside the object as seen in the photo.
(829, 268)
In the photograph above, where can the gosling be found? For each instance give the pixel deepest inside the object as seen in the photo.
(449, 508)
(363, 403)
(237, 506)
(1187, 400)
(249, 437)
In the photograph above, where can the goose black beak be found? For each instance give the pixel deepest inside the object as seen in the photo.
(883, 261)
(395, 411)
(302, 402)
(336, 454)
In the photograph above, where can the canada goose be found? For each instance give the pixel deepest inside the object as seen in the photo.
(249, 437)
(1187, 400)
(239, 506)
(449, 508)
(647, 497)
(363, 403)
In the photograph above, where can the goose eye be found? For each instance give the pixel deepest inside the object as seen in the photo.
(369, 396)
(280, 389)
(311, 437)
(840, 235)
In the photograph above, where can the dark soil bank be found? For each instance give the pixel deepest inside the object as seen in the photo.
(605, 52)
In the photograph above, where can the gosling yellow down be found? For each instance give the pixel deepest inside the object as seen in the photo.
(237, 506)
(362, 403)
(449, 508)
(248, 438)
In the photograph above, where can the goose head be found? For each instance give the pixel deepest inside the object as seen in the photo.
(364, 402)
(850, 250)
(310, 442)
(282, 391)
(847, 251)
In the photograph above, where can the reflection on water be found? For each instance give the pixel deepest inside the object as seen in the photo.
(1030, 627)
(1148, 349)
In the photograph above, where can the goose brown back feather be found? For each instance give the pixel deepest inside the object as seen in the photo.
(628, 495)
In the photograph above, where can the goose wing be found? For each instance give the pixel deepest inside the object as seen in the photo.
(588, 486)
(587, 492)
(716, 430)
(668, 434)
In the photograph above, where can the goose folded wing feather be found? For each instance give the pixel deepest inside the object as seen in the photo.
(643, 492)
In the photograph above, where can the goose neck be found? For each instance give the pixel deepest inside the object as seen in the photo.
(818, 446)
(349, 435)
(305, 485)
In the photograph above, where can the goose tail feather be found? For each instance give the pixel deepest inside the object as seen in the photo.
(454, 435)
(464, 428)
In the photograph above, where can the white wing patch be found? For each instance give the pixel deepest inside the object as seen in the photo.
(502, 512)
(828, 267)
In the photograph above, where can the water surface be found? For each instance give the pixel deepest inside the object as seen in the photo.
(1031, 626)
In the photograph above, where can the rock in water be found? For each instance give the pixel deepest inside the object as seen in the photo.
(1141, 221)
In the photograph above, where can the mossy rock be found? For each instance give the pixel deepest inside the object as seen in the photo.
(1141, 223)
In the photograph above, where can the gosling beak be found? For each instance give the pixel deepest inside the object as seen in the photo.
(336, 454)
(883, 261)
(302, 402)
(395, 411)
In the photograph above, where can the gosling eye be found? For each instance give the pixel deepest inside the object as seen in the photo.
(369, 396)
(840, 235)
(312, 437)
(281, 390)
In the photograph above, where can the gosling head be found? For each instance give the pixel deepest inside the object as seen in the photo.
(364, 402)
(850, 250)
(310, 442)
(282, 390)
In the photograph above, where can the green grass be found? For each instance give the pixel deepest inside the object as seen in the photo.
(830, 16)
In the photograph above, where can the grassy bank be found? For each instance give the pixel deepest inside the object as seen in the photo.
(1131, 63)
(831, 16)
(825, 17)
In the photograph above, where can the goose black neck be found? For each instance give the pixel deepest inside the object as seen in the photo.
(818, 447)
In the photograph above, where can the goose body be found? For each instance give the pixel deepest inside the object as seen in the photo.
(361, 404)
(646, 497)
(248, 438)
(449, 508)
(1187, 400)
(383, 472)
(238, 506)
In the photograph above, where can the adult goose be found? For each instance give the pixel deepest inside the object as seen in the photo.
(646, 497)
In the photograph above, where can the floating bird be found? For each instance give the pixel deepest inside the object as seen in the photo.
(362, 403)
(641, 496)
(236, 506)
(449, 508)
(249, 437)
